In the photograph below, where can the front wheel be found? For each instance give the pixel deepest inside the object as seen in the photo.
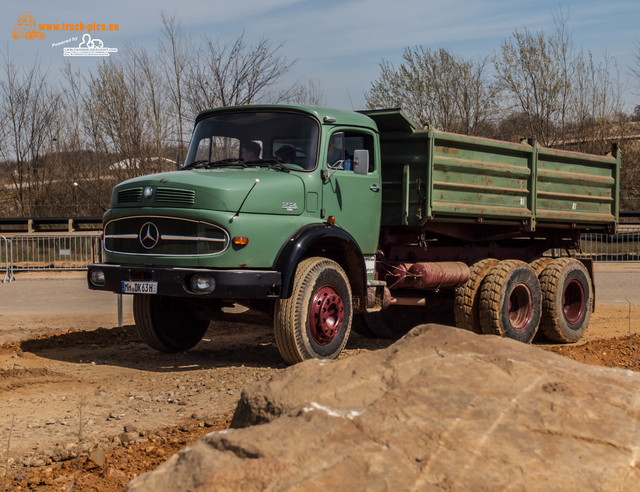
(166, 324)
(314, 323)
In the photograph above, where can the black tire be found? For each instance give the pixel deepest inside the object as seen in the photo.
(166, 324)
(467, 298)
(510, 301)
(315, 322)
(567, 300)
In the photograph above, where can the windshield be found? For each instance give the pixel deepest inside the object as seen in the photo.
(254, 139)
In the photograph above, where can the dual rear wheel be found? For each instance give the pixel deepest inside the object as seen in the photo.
(513, 299)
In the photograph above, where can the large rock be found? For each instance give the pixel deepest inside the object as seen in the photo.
(440, 409)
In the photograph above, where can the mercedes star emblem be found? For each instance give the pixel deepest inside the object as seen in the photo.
(149, 235)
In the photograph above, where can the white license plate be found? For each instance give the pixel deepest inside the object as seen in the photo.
(133, 287)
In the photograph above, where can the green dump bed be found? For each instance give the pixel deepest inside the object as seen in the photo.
(430, 175)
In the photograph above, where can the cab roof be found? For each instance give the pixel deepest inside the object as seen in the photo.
(326, 116)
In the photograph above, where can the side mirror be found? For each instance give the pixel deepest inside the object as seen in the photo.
(361, 161)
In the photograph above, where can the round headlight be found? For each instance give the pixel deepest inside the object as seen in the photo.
(203, 283)
(97, 277)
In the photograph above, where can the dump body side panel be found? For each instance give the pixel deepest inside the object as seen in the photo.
(473, 177)
(430, 176)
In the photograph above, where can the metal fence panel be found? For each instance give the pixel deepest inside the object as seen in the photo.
(623, 246)
(55, 251)
(5, 259)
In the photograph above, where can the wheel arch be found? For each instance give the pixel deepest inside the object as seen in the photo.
(327, 241)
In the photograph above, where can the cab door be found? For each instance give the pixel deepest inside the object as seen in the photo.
(353, 199)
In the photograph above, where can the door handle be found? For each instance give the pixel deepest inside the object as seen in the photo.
(375, 188)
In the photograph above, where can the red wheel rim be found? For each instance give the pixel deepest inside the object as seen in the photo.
(573, 301)
(326, 314)
(520, 307)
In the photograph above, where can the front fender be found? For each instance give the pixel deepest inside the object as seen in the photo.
(322, 240)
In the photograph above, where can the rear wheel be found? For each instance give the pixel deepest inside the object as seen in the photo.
(314, 323)
(510, 301)
(166, 324)
(540, 264)
(567, 300)
(467, 298)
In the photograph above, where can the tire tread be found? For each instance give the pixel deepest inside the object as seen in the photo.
(551, 324)
(467, 297)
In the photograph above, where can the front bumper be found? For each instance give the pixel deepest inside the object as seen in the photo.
(230, 284)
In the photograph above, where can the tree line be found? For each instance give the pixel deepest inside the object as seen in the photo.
(133, 114)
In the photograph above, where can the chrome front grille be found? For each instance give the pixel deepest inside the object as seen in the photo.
(164, 236)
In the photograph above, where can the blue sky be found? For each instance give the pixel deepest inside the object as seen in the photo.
(338, 43)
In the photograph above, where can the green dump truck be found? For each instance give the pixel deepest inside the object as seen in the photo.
(331, 219)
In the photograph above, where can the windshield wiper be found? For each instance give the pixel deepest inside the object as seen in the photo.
(205, 164)
(269, 163)
(194, 164)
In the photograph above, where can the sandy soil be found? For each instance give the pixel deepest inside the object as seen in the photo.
(92, 408)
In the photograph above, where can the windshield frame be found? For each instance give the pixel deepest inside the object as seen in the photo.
(305, 122)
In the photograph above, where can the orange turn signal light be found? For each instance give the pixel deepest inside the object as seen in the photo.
(331, 220)
(240, 241)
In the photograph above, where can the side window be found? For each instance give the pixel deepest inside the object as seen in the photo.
(336, 158)
(342, 146)
(360, 141)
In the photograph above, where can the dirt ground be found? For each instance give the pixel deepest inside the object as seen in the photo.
(90, 410)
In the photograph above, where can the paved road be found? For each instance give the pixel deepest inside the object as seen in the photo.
(56, 293)
(43, 302)
(38, 301)
(617, 283)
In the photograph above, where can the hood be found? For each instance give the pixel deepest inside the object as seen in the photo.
(223, 189)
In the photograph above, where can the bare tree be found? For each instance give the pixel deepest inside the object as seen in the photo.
(308, 91)
(114, 99)
(28, 111)
(175, 55)
(436, 88)
(635, 69)
(235, 74)
(595, 104)
(154, 94)
(565, 97)
(534, 80)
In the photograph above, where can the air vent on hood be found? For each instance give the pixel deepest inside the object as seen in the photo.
(175, 196)
(130, 195)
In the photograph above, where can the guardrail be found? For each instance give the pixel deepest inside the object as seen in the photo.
(51, 224)
(5, 259)
(54, 251)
